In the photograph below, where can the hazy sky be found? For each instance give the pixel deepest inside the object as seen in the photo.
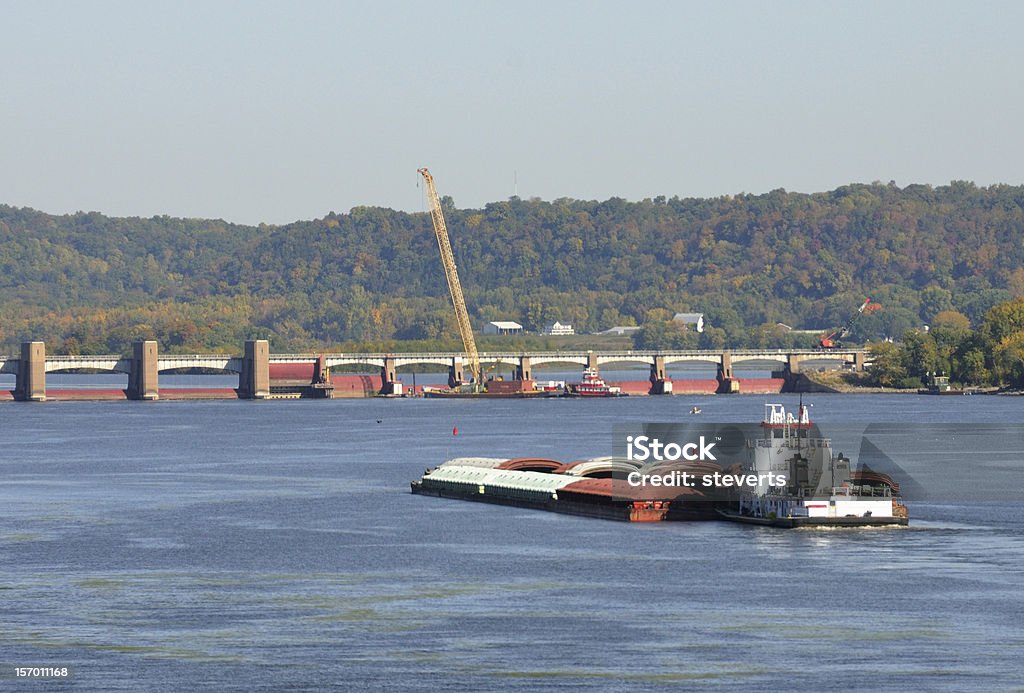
(275, 111)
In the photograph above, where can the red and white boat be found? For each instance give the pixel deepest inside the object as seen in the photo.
(594, 386)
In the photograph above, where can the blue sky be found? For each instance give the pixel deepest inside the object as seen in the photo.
(269, 112)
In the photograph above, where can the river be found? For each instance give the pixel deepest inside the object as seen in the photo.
(275, 545)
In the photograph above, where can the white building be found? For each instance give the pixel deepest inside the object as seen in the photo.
(557, 328)
(695, 319)
(503, 327)
(621, 330)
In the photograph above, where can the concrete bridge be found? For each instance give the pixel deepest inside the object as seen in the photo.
(657, 361)
(142, 368)
(253, 365)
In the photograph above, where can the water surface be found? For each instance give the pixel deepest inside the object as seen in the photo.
(272, 545)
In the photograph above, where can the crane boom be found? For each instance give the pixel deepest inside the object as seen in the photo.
(450, 272)
(829, 341)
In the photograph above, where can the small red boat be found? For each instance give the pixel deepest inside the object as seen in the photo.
(594, 386)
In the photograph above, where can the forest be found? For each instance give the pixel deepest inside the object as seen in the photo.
(991, 355)
(371, 278)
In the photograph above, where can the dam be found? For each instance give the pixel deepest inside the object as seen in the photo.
(263, 375)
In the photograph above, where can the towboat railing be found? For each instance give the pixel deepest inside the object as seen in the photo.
(804, 443)
(883, 491)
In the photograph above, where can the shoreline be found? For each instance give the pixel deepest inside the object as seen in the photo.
(833, 382)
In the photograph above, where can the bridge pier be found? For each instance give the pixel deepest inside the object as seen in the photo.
(142, 380)
(797, 381)
(727, 384)
(524, 371)
(389, 384)
(790, 374)
(456, 372)
(30, 382)
(321, 384)
(660, 383)
(254, 380)
(793, 364)
(592, 361)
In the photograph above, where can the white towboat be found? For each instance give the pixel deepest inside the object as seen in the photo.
(811, 486)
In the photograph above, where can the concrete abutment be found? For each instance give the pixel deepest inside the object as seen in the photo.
(456, 372)
(524, 371)
(30, 382)
(143, 378)
(727, 384)
(660, 382)
(254, 380)
(389, 383)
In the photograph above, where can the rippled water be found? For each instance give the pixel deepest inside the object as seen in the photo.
(272, 545)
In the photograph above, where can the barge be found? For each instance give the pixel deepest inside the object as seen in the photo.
(585, 487)
(795, 481)
(507, 389)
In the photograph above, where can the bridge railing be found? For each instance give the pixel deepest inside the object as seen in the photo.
(85, 357)
(118, 357)
(574, 353)
(190, 357)
(825, 354)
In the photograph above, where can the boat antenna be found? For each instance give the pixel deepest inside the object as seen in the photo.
(799, 420)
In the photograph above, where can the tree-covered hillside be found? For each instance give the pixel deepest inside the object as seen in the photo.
(92, 283)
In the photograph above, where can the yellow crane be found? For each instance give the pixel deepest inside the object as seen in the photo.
(454, 287)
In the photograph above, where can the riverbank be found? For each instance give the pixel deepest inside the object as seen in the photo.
(847, 382)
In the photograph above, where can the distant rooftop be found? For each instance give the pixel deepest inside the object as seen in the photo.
(696, 319)
(621, 330)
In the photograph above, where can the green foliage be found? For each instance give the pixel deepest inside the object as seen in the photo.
(994, 355)
(935, 300)
(970, 368)
(950, 320)
(920, 354)
(1008, 360)
(888, 369)
(87, 282)
(660, 334)
(1004, 320)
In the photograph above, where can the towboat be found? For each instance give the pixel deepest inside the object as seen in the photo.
(817, 488)
(594, 386)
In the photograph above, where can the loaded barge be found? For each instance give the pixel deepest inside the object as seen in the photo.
(508, 389)
(550, 485)
(817, 489)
